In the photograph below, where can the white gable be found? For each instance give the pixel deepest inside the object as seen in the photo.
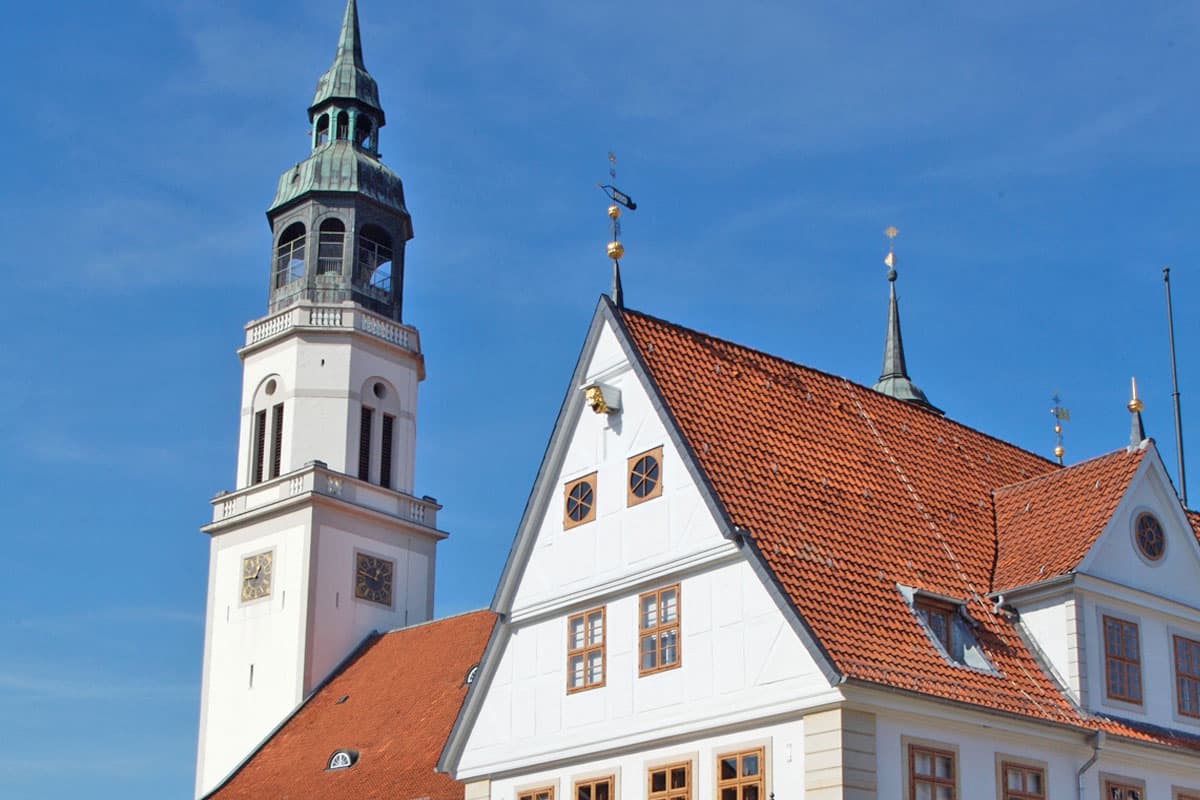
(1115, 555)
(623, 542)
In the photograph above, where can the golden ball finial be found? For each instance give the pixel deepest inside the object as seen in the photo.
(1058, 451)
(614, 211)
(616, 250)
(1134, 405)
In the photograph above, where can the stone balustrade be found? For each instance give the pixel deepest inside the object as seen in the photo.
(347, 316)
(316, 478)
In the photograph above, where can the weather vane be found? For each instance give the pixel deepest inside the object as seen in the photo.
(890, 258)
(1061, 415)
(615, 249)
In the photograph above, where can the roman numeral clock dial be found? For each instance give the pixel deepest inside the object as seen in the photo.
(373, 579)
(256, 576)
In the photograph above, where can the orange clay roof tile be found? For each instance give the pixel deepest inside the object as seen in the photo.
(403, 691)
(847, 493)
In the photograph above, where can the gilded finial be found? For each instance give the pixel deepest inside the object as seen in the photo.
(890, 258)
(1061, 415)
(614, 249)
(1134, 405)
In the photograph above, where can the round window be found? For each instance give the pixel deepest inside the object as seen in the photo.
(579, 501)
(379, 389)
(270, 387)
(1149, 534)
(644, 476)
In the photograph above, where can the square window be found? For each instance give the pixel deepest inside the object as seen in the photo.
(658, 630)
(1122, 660)
(644, 479)
(931, 774)
(597, 789)
(579, 501)
(585, 650)
(673, 782)
(543, 793)
(1023, 782)
(740, 775)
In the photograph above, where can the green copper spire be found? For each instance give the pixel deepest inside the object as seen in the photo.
(347, 78)
(893, 377)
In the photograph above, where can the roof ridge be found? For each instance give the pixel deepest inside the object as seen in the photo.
(429, 622)
(1065, 471)
(830, 375)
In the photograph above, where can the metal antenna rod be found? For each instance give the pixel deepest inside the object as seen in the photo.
(1175, 389)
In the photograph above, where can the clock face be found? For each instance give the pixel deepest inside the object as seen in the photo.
(256, 575)
(373, 579)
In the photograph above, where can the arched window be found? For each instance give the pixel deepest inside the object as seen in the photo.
(289, 255)
(266, 431)
(343, 125)
(375, 259)
(362, 131)
(330, 244)
(323, 130)
(378, 433)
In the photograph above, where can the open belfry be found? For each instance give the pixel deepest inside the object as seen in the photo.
(736, 577)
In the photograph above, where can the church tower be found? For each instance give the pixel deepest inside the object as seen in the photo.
(322, 541)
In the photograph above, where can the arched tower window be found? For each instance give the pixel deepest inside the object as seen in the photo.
(322, 130)
(377, 433)
(266, 434)
(289, 255)
(375, 260)
(343, 125)
(330, 245)
(362, 132)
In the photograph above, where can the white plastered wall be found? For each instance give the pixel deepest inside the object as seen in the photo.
(782, 742)
(322, 375)
(267, 633)
(980, 740)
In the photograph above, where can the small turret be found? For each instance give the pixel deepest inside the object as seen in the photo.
(893, 377)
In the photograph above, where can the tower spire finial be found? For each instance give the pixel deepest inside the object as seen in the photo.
(615, 249)
(1061, 415)
(350, 41)
(1137, 431)
(893, 377)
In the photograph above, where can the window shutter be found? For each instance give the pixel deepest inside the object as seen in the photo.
(260, 442)
(385, 452)
(364, 446)
(277, 440)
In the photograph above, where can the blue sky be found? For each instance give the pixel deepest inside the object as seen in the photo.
(1040, 160)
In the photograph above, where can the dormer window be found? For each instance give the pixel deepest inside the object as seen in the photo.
(947, 624)
(342, 759)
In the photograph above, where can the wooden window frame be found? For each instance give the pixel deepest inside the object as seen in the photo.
(1123, 660)
(669, 792)
(934, 751)
(658, 629)
(1110, 782)
(590, 516)
(1020, 794)
(538, 793)
(1183, 678)
(1184, 794)
(739, 782)
(631, 499)
(587, 649)
(611, 780)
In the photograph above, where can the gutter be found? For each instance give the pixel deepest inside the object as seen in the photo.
(1098, 741)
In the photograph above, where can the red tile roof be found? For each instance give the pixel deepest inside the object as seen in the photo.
(403, 691)
(847, 493)
(1046, 525)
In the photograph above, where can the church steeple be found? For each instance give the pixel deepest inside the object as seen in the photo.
(339, 219)
(893, 377)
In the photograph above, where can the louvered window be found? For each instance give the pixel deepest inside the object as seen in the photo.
(385, 452)
(364, 445)
(276, 440)
(260, 444)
